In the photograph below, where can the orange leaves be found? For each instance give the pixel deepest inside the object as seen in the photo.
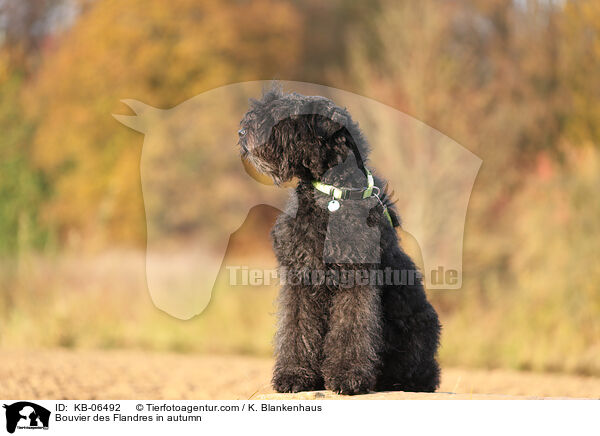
(160, 52)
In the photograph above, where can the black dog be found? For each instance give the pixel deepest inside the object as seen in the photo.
(346, 323)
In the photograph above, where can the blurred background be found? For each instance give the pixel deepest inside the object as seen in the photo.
(515, 82)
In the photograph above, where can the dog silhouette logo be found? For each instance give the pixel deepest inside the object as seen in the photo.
(26, 415)
(197, 192)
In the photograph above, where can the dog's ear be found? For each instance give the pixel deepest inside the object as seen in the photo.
(306, 146)
(326, 145)
(325, 126)
(297, 145)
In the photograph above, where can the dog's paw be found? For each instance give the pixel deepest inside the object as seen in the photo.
(296, 381)
(351, 382)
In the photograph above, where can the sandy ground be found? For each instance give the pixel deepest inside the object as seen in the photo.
(61, 374)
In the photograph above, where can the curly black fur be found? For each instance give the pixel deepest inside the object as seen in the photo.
(349, 339)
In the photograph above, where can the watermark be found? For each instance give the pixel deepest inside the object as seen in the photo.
(343, 278)
(197, 192)
(25, 415)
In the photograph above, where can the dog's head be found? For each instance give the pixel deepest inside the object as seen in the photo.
(292, 135)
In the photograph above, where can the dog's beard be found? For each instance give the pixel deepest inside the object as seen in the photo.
(263, 167)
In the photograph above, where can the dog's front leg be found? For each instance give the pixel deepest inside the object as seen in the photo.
(299, 339)
(353, 343)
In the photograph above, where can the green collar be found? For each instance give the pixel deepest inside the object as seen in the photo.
(346, 193)
(352, 193)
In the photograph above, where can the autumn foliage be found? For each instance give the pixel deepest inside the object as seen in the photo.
(517, 83)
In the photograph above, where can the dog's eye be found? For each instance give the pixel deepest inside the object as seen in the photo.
(242, 133)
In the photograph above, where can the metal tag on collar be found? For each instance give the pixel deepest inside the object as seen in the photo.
(333, 205)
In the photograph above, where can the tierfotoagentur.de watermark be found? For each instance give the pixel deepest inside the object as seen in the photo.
(240, 275)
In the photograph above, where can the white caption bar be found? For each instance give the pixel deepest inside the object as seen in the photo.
(22, 417)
